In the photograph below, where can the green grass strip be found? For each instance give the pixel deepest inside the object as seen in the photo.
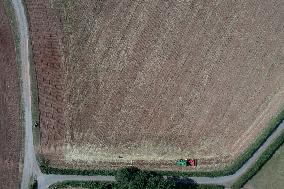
(265, 156)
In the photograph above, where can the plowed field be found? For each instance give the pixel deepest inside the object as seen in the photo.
(10, 128)
(148, 82)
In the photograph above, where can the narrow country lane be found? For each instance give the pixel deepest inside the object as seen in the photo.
(29, 155)
(31, 168)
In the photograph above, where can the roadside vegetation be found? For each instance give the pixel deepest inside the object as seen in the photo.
(271, 174)
(134, 178)
(266, 155)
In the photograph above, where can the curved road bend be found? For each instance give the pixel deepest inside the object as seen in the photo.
(31, 168)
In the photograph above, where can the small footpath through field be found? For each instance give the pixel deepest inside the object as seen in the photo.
(31, 168)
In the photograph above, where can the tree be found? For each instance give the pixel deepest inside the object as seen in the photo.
(139, 181)
(166, 184)
(133, 178)
(124, 176)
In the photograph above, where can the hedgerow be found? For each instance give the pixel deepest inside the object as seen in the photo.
(265, 156)
(110, 185)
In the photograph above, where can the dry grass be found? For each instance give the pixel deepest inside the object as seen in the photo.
(162, 80)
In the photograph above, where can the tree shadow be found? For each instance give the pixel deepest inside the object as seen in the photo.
(184, 183)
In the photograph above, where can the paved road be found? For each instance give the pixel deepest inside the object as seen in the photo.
(31, 168)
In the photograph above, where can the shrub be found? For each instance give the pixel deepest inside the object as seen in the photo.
(127, 174)
(33, 185)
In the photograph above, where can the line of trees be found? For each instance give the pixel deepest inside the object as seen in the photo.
(134, 178)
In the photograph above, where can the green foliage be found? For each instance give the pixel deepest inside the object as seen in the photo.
(133, 178)
(33, 185)
(127, 174)
(265, 156)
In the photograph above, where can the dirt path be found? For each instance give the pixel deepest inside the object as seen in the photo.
(31, 168)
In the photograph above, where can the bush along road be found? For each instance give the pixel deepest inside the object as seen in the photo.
(31, 168)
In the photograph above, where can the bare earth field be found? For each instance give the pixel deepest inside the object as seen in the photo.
(46, 56)
(155, 81)
(10, 127)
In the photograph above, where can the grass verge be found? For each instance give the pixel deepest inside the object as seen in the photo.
(265, 156)
(229, 170)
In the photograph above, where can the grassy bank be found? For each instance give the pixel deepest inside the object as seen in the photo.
(265, 156)
(271, 174)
